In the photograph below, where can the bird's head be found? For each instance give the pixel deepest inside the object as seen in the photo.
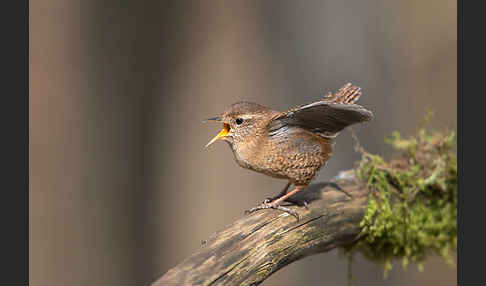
(241, 121)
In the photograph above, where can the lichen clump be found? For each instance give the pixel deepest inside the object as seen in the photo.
(412, 207)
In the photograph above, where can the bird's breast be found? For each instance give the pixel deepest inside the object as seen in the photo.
(246, 155)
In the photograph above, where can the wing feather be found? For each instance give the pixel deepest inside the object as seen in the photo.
(326, 117)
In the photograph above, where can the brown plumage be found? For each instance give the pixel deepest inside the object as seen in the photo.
(290, 145)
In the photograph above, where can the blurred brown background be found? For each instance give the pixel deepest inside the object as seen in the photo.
(121, 188)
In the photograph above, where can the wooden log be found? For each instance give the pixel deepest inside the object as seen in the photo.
(257, 245)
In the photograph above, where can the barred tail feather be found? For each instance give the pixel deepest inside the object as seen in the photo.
(347, 94)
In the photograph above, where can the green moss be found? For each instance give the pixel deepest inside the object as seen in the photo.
(412, 208)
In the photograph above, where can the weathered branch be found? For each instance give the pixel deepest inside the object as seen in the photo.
(257, 245)
(417, 188)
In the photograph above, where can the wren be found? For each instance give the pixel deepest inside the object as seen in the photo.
(291, 145)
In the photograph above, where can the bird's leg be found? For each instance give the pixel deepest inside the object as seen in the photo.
(282, 193)
(288, 195)
(276, 203)
(289, 200)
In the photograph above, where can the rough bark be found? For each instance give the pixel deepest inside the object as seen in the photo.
(255, 246)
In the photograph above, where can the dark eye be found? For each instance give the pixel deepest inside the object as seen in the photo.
(239, 121)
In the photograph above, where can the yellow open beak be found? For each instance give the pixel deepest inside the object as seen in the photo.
(221, 134)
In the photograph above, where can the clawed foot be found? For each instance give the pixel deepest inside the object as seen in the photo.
(267, 204)
(301, 203)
